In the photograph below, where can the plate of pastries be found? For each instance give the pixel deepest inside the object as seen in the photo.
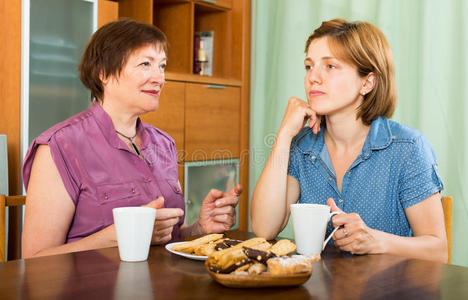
(253, 263)
(200, 248)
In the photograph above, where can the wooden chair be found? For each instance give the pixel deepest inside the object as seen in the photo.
(447, 205)
(4, 202)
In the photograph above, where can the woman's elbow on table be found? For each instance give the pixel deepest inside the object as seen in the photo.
(263, 230)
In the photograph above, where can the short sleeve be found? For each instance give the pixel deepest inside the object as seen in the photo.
(420, 178)
(57, 150)
(293, 165)
(65, 169)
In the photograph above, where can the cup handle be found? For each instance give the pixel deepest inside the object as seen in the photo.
(334, 230)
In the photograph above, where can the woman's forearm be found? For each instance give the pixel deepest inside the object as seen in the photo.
(268, 206)
(101, 239)
(427, 247)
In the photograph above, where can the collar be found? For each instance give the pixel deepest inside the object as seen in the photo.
(107, 127)
(380, 135)
(378, 138)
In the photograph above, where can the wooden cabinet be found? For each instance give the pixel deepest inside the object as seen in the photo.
(212, 114)
(208, 116)
(170, 116)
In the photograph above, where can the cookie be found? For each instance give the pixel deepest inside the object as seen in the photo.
(283, 247)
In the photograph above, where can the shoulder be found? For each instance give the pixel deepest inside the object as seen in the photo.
(305, 140)
(65, 128)
(156, 133)
(415, 139)
(403, 133)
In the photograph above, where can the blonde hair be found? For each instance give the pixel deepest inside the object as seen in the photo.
(365, 46)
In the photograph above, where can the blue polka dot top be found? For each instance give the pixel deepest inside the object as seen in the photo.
(395, 169)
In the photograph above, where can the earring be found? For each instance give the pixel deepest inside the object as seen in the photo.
(363, 93)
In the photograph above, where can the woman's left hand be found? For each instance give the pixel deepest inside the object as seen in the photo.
(354, 236)
(218, 212)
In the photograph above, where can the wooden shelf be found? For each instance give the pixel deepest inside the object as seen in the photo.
(216, 4)
(194, 78)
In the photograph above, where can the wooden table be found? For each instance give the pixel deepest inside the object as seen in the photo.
(100, 274)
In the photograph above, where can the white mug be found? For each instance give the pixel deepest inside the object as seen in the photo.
(134, 229)
(310, 224)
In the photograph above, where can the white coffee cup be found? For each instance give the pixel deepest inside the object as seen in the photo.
(134, 229)
(310, 224)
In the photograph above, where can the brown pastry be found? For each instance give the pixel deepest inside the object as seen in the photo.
(226, 257)
(189, 247)
(256, 269)
(283, 247)
(285, 265)
(231, 268)
(205, 249)
(243, 269)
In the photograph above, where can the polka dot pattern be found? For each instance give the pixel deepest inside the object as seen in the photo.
(395, 170)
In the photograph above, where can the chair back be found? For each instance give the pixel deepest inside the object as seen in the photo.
(6, 201)
(447, 203)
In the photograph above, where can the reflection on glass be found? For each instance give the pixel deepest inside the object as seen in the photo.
(59, 32)
(201, 177)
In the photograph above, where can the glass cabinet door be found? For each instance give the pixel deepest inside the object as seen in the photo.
(59, 31)
(201, 177)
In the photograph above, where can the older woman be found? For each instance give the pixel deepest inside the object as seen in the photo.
(77, 171)
(381, 174)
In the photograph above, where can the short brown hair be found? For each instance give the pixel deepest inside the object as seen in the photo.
(109, 48)
(365, 46)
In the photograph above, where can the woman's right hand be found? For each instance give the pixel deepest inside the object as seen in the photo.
(298, 112)
(166, 218)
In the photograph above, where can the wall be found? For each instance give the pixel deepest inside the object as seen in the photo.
(429, 40)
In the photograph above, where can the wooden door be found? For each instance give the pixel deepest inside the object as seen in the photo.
(212, 122)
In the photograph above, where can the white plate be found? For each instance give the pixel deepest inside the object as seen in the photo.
(191, 256)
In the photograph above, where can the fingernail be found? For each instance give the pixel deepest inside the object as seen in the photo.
(218, 203)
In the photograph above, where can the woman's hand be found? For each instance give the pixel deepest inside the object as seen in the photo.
(218, 212)
(297, 114)
(166, 218)
(354, 236)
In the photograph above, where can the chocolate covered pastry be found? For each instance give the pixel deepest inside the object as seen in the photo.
(226, 257)
(258, 255)
(226, 243)
(233, 267)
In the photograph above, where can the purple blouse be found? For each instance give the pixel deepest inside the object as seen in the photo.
(100, 172)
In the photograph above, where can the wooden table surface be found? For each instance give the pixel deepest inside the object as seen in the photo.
(100, 274)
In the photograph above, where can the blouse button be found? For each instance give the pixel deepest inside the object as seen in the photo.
(106, 197)
(329, 178)
(133, 191)
(341, 200)
(148, 180)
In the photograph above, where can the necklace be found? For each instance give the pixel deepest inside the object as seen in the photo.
(134, 147)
